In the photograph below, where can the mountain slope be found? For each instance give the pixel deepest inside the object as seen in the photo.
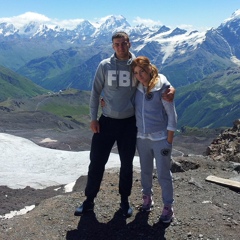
(213, 102)
(70, 68)
(183, 56)
(58, 58)
(13, 85)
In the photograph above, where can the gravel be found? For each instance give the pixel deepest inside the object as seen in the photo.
(203, 210)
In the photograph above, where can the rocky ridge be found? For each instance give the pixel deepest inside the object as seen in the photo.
(226, 147)
(203, 210)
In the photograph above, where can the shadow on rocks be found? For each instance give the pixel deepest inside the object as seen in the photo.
(89, 228)
(140, 229)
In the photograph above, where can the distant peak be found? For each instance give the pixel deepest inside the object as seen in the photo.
(235, 15)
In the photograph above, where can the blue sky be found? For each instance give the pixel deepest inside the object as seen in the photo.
(200, 14)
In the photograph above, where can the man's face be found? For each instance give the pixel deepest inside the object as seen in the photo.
(121, 47)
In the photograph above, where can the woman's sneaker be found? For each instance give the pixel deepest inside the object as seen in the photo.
(167, 214)
(147, 203)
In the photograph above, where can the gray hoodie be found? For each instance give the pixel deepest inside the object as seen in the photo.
(113, 80)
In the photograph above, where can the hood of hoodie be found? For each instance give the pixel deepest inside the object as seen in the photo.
(161, 84)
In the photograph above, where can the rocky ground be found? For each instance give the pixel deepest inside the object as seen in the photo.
(203, 210)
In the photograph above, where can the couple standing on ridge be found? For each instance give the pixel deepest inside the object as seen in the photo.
(129, 86)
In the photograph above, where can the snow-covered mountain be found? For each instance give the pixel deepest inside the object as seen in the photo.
(60, 55)
(32, 36)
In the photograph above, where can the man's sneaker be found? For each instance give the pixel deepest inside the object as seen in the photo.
(147, 203)
(85, 207)
(167, 214)
(126, 209)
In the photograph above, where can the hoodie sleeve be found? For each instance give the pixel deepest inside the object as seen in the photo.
(171, 113)
(169, 106)
(97, 88)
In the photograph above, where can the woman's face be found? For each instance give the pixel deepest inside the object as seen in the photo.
(141, 75)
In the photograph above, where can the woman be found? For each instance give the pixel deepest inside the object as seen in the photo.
(156, 123)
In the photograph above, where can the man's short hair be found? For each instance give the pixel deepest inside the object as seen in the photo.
(120, 34)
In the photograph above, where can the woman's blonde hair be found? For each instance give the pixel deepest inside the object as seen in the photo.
(145, 64)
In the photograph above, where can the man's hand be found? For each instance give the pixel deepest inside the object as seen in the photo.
(168, 95)
(95, 126)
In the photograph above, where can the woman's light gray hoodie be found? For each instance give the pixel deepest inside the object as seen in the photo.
(153, 114)
(113, 80)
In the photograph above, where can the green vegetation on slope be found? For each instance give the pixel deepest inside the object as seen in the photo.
(213, 102)
(13, 85)
(73, 104)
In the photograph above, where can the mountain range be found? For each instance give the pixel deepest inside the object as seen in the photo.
(202, 66)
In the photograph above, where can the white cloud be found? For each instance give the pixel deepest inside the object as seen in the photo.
(23, 19)
(67, 24)
(146, 22)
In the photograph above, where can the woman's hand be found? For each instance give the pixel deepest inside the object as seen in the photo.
(102, 102)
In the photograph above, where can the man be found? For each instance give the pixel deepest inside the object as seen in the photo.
(113, 80)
